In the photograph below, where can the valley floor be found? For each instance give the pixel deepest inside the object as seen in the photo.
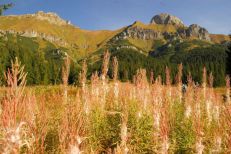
(113, 117)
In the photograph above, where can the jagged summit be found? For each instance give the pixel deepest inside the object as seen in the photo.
(165, 19)
(48, 14)
(197, 31)
(51, 17)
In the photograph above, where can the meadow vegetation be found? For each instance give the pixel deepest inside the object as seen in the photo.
(148, 115)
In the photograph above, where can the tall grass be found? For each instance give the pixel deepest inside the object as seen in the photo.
(114, 117)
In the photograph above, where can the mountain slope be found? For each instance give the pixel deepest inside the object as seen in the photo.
(54, 29)
(51, 27)
(42, 41)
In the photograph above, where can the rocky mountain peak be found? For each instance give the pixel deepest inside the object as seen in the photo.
(165, 19)
(197, 31)
(48, 14)
(51, 17)
(138, 30)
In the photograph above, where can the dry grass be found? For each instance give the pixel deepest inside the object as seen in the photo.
(87, 41)
(114, 117)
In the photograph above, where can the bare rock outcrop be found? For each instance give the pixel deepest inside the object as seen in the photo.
(140, 33)
(197, 31)
(32, 33)
(51, 17)
(182, 32)
(165, 19)
(145, 34)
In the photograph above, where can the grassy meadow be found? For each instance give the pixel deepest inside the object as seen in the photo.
(108, 116)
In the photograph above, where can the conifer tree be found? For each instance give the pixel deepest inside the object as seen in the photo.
(4, 7)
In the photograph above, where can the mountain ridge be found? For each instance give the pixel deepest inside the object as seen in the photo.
(51, 27)
(42, 45)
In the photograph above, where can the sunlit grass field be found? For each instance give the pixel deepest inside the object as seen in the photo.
(102, 116)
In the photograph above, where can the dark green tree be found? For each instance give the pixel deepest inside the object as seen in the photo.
(5, 7)
(228, 62)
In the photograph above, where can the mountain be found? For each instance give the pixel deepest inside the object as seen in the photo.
(166, 19)
(51, 27)
(47, 38)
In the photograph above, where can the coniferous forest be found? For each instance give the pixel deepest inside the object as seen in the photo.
(44, 66)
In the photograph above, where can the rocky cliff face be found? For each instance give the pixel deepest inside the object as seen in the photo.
(198, 32)
(140, 33)
(149, 34)
(195, 31)
(165, 18)
(32, 33)
(51, 17)
(182, 32)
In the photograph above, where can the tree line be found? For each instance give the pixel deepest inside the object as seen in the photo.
(44, 66)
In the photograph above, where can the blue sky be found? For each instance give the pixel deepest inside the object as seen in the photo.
(113, 14)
